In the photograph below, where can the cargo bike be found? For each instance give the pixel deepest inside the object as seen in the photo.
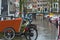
(11, 28)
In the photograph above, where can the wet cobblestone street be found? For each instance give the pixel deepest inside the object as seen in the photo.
(46, 30)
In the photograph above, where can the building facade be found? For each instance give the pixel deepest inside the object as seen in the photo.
(31, 5)
(34, 6)
(42, 6)
(39, 5)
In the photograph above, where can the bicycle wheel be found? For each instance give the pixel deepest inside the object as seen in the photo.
(31, 34)
(9, 33)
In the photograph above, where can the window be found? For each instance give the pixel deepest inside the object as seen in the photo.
(38, 5)
(55, 7)
(4, 9)
(45, 9)
(38, 9)
(38, 1)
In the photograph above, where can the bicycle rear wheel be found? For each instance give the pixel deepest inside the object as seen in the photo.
(32, 34)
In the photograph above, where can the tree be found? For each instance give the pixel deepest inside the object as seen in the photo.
(22, 2)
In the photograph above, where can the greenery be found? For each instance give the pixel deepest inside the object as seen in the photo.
(22, 2)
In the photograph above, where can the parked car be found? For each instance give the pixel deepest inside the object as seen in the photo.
(54, 18)
(49, 16)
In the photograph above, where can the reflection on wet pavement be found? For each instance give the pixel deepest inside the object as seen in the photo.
(46, 30)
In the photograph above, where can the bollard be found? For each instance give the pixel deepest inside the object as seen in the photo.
(56, 23)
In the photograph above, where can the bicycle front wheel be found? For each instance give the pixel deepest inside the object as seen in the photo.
(32, 34)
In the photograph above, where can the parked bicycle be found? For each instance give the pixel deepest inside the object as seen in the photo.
(10, 28)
